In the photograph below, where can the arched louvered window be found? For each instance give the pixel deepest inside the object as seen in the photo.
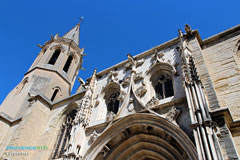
(113, 103)
(68, 63)
(164, 87)
(54, 57)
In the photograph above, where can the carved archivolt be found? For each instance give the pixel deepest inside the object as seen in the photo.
(110, 88)
(127, 140)
(161, 67)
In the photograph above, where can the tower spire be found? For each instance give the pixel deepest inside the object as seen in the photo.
(73, 34)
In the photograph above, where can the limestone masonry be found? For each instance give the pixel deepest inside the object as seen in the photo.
(177, 101)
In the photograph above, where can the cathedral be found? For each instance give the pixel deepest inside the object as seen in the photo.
(177, 101)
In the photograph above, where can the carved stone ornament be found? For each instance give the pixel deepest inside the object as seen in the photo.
(131, 100)
(157, 57)
(97, 103)
(153, 102)
(130, 105)
(125, 133)
(112, 76)
(137, 77)
(167, 137)
(126, 82)
(93, 137)
(140, 62)
(128, 66)
(173, 114)
(132, 62)
(122, 96)
(140, 92)
(110, 116)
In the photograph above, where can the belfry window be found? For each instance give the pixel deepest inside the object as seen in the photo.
(68, 63)
(113, 103)
(54, 94)
(54, 57)
(164, 87)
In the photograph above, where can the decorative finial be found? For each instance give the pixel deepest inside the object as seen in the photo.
(180, 33)
(188, 31)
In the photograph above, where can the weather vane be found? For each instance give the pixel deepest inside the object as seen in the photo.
(81, 19)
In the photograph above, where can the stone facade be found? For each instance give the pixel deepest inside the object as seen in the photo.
(178, 100)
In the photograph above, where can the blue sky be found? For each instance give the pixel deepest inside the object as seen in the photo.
(111, 29)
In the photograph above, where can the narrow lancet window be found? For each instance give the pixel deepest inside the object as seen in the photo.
(64, 136)
(113, 103)
(164, 87)
(67, 64)
(54, 94)
(54, 57)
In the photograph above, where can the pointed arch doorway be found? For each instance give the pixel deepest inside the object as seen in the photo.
(142, 136)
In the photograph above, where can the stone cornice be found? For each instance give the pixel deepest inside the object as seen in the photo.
(53, 105)
(220, 35)
(141, 55)
(224, 112)
(7, 119)
(171, 43)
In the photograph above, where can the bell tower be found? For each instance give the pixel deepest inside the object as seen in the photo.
(51, 76)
